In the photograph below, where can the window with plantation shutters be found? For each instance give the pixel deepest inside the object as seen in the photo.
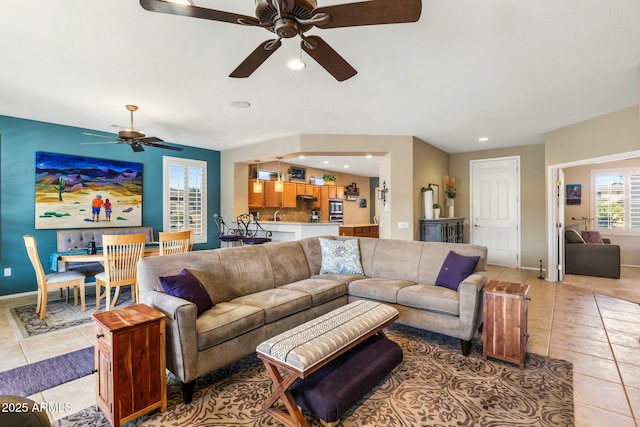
(617, 200)
(184, 201)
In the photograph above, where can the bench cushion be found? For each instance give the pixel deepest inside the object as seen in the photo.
(329, 392)
(306, 345)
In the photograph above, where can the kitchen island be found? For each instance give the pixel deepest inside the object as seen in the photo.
(285, 231)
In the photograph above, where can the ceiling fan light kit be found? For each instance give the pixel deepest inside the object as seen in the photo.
(291, 18)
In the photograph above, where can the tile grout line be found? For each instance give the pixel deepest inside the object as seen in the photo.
(615, 360)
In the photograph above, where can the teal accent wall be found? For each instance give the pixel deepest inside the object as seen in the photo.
(20, 139)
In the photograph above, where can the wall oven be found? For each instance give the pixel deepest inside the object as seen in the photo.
(335, 206)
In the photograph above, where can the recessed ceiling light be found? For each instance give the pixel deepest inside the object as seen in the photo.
(483, 139)
(240, 104)
(301, 156)
(296, 64)
(346, 166)
(368, 156)
(326, 162)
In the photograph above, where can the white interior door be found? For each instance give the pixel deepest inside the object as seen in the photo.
(495, 209)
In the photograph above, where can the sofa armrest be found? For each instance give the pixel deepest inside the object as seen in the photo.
(470, 297)
(182, 339)
(592, 259)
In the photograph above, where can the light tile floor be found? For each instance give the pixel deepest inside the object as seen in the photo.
(592, 322)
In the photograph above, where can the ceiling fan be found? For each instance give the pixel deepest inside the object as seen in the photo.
(290, 18)
(135, 138)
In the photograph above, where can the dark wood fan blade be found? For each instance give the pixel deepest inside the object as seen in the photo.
(148, 139)
(153, 144)
(255, 59)
(373, 12)
(328, 58)
(162, 6)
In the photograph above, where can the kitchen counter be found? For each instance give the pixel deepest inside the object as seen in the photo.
(286, 231)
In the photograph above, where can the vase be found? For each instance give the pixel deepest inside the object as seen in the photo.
(450, 205)
(436, 213)
(428, 204)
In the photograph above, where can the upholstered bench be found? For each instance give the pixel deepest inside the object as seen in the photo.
(313, 346)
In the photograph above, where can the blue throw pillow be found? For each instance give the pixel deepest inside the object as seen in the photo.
(340, 257)
(187, 286)
(455, 269)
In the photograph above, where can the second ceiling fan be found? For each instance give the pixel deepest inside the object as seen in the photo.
(291, 18)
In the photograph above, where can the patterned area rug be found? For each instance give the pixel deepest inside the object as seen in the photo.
(434, 386)
(60, 315)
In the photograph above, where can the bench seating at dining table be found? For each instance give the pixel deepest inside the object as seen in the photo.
(73, 240)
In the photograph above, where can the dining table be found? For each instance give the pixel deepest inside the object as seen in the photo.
(82, 255)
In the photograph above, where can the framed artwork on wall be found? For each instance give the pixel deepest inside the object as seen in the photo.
(574, 194)
(86, 192)
(299, 174)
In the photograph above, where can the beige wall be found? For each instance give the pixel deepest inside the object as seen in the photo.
(430, 165)
(532, 195)
(612, 133)
(629, 245)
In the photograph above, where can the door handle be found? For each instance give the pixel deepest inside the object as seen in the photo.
(476, 225)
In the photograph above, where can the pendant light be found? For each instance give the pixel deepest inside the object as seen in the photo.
(257, 186)
(279, 185)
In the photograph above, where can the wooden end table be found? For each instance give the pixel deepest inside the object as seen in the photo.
(504, 330)
(130, 362)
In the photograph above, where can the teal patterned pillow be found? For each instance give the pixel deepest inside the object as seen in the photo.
(340, 257)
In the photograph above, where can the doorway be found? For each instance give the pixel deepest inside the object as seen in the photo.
(495, 209)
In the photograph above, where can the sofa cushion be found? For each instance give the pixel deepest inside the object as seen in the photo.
(277, 303)
(226, 321)
(320, 289)
(342, 257)
(346, 278)
(455, 269)
(186, 286)
(288, 262)
(592, 237)
(572, 236)
(429, 297)
(378, 289)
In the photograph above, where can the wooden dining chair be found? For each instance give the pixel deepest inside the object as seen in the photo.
(46, 282)
(174, 242)
(121, 255)
(191, 236)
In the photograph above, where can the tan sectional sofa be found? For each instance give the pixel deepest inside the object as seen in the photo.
(261, 291)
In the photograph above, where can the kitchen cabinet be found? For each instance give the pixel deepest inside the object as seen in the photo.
(289, 196)
(333, 191)
(130, 362)
(317, 193)
(359, 230)
(256, 200)
(339, 192)
(272, 199)
(504, 331)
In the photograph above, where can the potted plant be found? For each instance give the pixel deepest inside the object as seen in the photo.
(289, 173)
(436, 210)
(329, 178)
(427, 194)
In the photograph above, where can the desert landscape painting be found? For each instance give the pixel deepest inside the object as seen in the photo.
(67, 187)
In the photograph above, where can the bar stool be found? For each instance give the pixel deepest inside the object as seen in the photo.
(226, 234)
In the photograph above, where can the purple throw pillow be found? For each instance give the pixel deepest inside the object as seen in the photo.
(187, 286)
(455, 269)
(592, 237)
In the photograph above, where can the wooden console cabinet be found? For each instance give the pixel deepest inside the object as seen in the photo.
(130, 362)
(504, 332)
(449, 230)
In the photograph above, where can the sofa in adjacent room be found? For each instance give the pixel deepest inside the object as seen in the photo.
(244, 295)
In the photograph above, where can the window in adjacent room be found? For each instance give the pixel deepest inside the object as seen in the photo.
(617, 201)
(185, 204)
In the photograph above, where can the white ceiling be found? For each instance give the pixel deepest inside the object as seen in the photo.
(509, 70)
